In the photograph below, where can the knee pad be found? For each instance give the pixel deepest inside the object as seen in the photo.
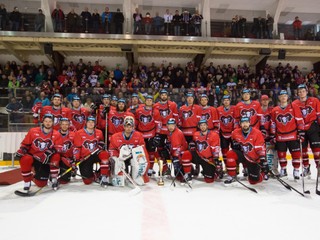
(231, 163)
(40, 183)
(253, 179)
(186, 159)
(208, 180)
(87, 181)
(296, 159)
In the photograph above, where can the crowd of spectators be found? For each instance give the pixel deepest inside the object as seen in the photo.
(89, 81)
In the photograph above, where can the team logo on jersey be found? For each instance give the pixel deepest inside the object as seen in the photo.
(187, 114)
(164, 112)
(247, 112)
(42, 144)
(145, 119)
(90, 145)
(284, 118)
(56, 119)
(247, 147)
(226, 119)
(66, 146)
(205, 116)
(79, 118)
(201, 146)
(265, 119)
(117, 121)
(306, 111)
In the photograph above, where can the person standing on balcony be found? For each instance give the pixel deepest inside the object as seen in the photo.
(15, 19)
(147, 23)
(176, 20)
(196, 19)
(3, 17)
(167, 21)
(269, 26)
(72, 19)
(297, 26)
(86, 20)
(106, 18)
(158, 23)
(39, 21)
(137, 18)
(57, 18)
(118, 19)
(96, 21)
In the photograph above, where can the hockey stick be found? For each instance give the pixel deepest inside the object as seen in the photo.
(28, 194)
(160, 182)
(302, 174)
(286, 185)
(136, 189)
(317, 182)
(247, 187)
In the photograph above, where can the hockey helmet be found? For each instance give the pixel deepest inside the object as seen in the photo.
(91, 118)
(226, 97)
(114, 98)
(204, 96)
(122, 100)
(202, 121)
(64, 119)
(149, 97)
(190, 94)
(134, 95)
(246, 90)
(56, 95)
(76, 98)
(163, 91)
(245, 119)
(47, 115)
(283, 92)
(301, 86)
(106, 96)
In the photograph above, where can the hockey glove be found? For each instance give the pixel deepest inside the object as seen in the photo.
(105, 111)
(176, 165)
(157, 140)
(21, 152)
(272, 139)
(192, 146)
(236, 146)
(94, 108)
(302, 135)
(263, 131)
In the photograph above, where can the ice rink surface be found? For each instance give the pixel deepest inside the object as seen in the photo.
(208, 211)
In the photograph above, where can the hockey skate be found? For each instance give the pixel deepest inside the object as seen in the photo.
(306, 172)
(283, 172)
(296, 174)
(104, 181)
(230, 180)
(27, 186)
(55, 184)
(187, 179)
(245, 172)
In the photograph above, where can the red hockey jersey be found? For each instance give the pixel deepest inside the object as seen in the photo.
(118, 140)
(266, 120)
(211, 115)
(57, 113)
(207, 146)
(67, 147)
(146, 121)
(115, 121)
(85, 143)
(37, 142)
(166, 110)
(252, 145)
(227, 121)
(189, 118)
(251, 110)
(285, 122)
(310, 110)
(78, 117)
(177, 142)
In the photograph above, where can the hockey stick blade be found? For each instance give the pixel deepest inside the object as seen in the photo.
(291, 188)
(27, 194)
(247, 187)
(317, 182)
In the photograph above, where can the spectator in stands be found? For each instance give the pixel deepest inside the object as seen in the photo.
(39, 21)
(39, 77)
(27, 103)
(259, 27)
(118, 19)
(12, 85)
(15, 19)
(158, 23)
(242, 22)
(96, 21)
(309, 35)
(14, 108)
(72, 21)
(147, 20)
(176, 21)
(3, 17)
(234, 27)
(137, 20)
(57, 19)
(196, 20)
(185, 19)
(297, 26)
(106, 18)
(269, 26)
(86, 20)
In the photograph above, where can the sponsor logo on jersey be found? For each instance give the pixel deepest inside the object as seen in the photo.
(164, 112)
(201, 145)
(42, 144)
(284, 118)
(145, 119)
(226, 119)
(66, 146)
(247, 112)
(117, 121)
(79, 118)
(187, 114)
(90, 144)
(306, 111)
(247, 147)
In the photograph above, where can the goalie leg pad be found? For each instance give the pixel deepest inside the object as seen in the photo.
(139, 165)
(117, 177)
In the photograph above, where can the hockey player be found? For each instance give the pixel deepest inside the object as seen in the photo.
(286, 128)
(207, 152)
(148, 120)
(272, 157)
(78, 113)
(180, 155)
(226, 118)
(189, 115)
(167, 109)
(129, 139)
(67, 159)
(248, 149)
(134, 103)
(103, 111)
(40, 149)
(209, 113)
(89, 141)
(310, 110)
(116, 118)
(249, 108)
(56, 110)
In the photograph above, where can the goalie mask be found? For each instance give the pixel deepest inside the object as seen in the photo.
(128, 121)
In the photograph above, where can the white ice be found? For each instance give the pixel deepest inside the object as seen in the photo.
(209, 211)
